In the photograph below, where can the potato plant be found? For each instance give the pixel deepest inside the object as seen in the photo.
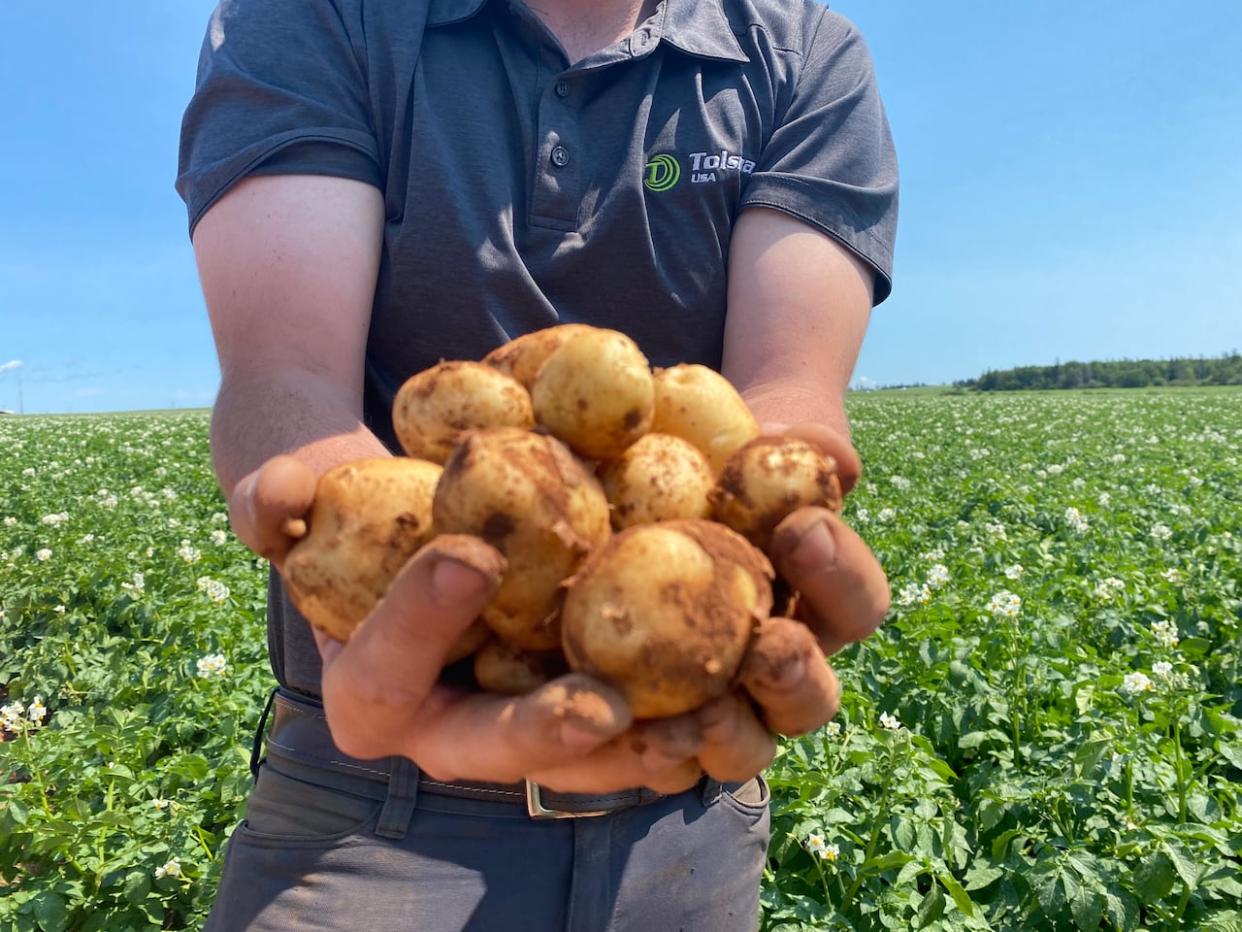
(1044, 735)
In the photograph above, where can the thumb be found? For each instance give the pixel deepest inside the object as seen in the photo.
(268, 508)
(402, 645)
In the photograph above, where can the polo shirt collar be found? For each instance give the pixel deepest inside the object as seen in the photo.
(443, 12)
(700, 27)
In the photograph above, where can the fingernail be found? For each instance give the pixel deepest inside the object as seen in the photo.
(816, 550)
(576, 738)
(453, 582)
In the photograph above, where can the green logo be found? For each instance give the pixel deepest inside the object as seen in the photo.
(662, 173)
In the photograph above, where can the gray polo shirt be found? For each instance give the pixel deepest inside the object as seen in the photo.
(522, 190)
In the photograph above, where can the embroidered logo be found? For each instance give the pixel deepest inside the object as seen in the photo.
(663, 172)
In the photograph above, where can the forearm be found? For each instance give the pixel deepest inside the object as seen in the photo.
(289, 410)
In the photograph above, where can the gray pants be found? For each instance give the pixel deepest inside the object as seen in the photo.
(334, 843)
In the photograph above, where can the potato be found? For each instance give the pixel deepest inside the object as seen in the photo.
(595, 392)
(665, 612)
(501, 668)
(367, 520)
(526, 495)
(768, 479)
(435, 407)
(659, 478)
(700, 405)
(522, 357)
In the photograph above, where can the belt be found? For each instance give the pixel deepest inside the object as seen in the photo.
(300, 732)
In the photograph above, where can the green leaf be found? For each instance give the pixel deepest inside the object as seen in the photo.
(17, 812)
(888, 861)
(1087, 907)
(1122, 908)
(931, 908)
(1182, 863)
(979, 877)
(51, 911)
(1153, 879)
(960, 897)
(1000, 844)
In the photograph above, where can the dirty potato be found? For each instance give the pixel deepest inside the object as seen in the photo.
(522, 357)
(501, 668)
(770, 478)
(700, 405)
(526, 495)
(665, 612)
(367, 520)
(595, 393)
(435, 407)
(659, 478)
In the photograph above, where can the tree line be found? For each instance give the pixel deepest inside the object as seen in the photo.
(1120, 373)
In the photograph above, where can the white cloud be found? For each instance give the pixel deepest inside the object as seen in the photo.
(11, 364)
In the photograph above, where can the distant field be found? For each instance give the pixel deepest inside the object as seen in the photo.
(1045, 735)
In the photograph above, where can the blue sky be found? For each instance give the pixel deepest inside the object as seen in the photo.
(1071, 189)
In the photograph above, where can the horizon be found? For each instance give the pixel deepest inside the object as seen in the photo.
(1069, 191)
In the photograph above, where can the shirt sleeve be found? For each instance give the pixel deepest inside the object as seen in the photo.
(280, 82)
(830, 160)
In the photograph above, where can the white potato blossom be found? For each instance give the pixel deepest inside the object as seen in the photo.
(816, 844)
(995, 530)
(169, 494)
(1078, 484)
(889, 722)
(1104, 500)
(137, 586)
(219, 517)
(1056, 469)
(170, 868)
(1077, 521)
(1135, 683)
(188, 553)
(212, 665)
(1162, 668)
(1118, 458)
(160, 803)
(832, 729)
(43, 555)
(28, 472)
(913, 594)
(886, 515)
(9, 521)
(1172, 575)
(11, 717)
(216, 590)
(108, 501)
(1014, 572)
(55, 519)
(938, 576)
(1161, 532)
(37, 711)
(1165, 633)
(87, 538)
(1109, 587)
(218, 537)
(1005, 604)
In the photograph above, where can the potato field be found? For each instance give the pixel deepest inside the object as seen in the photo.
(1045, 735)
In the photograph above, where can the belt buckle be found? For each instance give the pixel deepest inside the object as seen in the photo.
(537, 810)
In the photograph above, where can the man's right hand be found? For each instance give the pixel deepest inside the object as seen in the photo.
(381, 692)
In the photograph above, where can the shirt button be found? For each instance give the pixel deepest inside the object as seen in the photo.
(560, 156)
(562, 88)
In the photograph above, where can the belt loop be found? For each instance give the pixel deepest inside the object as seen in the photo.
(257, 747)
(394, 818)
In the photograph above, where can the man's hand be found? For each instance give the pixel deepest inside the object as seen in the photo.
(381, 692)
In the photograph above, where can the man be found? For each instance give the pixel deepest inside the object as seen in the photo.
(375, 186)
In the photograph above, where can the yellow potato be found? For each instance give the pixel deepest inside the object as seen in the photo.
(770, 478)
(659, 478)
(595, 393)
(501, 668)
(522, 357)
(526, 495)
(435, 407)
(368, 519)
(665, 612)
(700, 405)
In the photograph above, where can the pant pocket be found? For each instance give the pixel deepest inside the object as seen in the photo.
(286, 809)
